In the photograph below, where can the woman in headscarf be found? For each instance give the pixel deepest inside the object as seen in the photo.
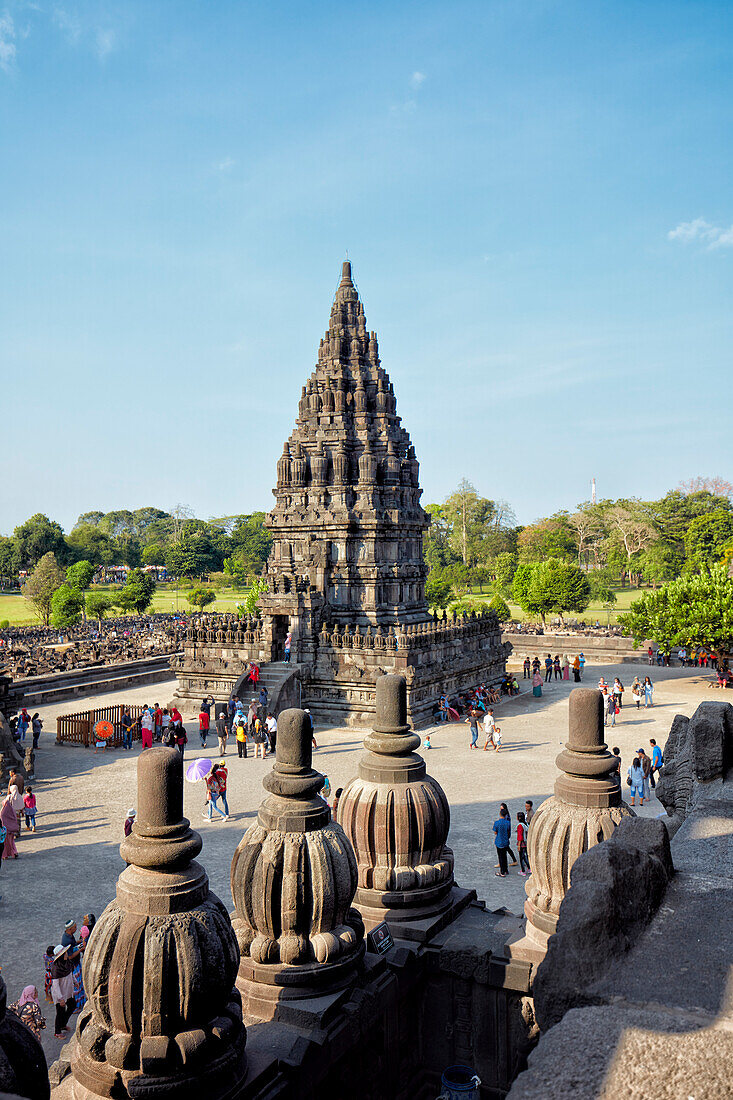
(537, 685)
(9, 819)
(27, 1009)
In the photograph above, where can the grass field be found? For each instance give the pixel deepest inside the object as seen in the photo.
(19, 612)
(624, 597)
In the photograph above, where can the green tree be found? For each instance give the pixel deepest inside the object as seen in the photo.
(707, 536)
(437, 550)
(471, 520)
(137, 593)
(89, 543)
(154, 554)
(8, 558)
(41, 585)
(252, 599)
(505, 567)
(551, 586)
(67, 604)
(37, 537)
(660, 563)
(690, 610)
(501, 607)
(250, 542)
(554, 537)
(97, 605)
(200, 597)
(79, 575)
(438, 589)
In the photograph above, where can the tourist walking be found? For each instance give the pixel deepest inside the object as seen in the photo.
(30, 809)
(527, 669)
(648, 692)
(556, 667)
(618, 693)
(646, 766)
(212, 797)
(502, 835)
(522, 844)
(615, 773)
(581, 663)
(36, 727)
(222, 775)
(528, 811)
(656, 761)
(222, 732)
(62, 989)
(490, 728)
(271, 727)
(566, 667)
(288, 645)
(204, 723)
(609, 704)
(263, 696)
(259, 740)
(158, 723)
(472, 722)
(9, 821)
(126, 723)
(146, 729)
(240, 728)
(635, 780)
(548, 668)
(181, 738)
(637, 691)
(537, 685)
(510, 853)
(27, 1009)
(576, 669)
(129, 821)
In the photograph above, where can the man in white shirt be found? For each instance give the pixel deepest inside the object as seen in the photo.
(271, 727)
(489, 729)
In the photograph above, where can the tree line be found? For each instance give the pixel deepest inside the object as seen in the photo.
(561, 562)
(236, 546)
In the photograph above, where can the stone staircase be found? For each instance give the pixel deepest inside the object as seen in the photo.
(282, 682)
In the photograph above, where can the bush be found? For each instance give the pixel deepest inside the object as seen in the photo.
(4, 624)
(501, 607)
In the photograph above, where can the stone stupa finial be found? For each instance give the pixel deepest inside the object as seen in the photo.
(163, 1013)
(293, 880)
(585, 809)
(397, 818)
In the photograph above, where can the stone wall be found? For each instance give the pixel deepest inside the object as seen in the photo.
(607, 650)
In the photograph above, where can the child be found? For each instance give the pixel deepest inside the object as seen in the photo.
(29, 804)
(326, 789)
(99, 745)
(497, 738)
(522, 842)
(426, 741)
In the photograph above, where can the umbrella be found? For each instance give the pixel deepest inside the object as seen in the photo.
(103, 729)
(199, 769)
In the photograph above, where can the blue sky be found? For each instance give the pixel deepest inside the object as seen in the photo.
(536, 198)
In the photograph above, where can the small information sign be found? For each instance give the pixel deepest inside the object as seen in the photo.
(380, 939)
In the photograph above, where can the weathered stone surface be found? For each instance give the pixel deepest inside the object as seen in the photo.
(616, 887)
(23, 1070)
(634, 1052)
(698, 750)
(293, 881)
(10, 757)
(159, 968)
(585, 810)
(397, 819)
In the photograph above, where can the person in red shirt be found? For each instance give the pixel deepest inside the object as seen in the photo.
(203, 727)
(221, 773)
(176, 718)
(522, 844)
(158, 720)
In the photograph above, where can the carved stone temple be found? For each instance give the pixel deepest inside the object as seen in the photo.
(346, 573)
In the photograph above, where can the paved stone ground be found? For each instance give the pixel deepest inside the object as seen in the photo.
(70, 865)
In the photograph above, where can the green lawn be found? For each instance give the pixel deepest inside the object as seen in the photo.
(624, 597)
(18, 611)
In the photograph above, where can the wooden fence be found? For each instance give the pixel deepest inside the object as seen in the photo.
(78, 729)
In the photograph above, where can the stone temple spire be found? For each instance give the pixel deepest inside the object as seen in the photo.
(163, 1014)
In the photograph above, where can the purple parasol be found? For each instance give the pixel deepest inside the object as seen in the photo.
(199, 769)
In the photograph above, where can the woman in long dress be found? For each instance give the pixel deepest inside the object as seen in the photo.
(566, 667)
(537, 685)
(9, 819)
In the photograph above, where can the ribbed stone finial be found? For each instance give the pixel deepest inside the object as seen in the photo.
(585, 809)
(163, 1013)
(293, 880)
(346, 274)
(397, 818)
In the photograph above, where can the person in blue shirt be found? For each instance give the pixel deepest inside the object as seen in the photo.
(502, 836)
(656, 760)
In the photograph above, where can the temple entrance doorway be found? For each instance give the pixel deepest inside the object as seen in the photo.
(280, 626)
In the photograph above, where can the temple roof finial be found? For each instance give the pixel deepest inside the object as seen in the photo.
(346, 273)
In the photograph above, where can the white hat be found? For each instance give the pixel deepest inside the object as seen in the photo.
(59, 949)
(69, 924)
(131, 813)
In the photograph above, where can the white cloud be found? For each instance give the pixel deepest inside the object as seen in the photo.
(104, 43)
(7, 41)
(700, 230)
(408, 106)
(68, 23)
(225, 164)
(417, 80)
